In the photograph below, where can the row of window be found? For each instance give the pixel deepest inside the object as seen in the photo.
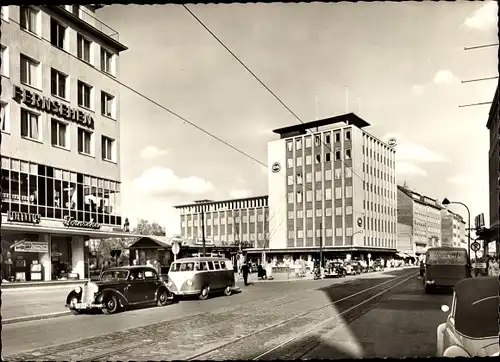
(318, 176)
(381, 209)
(317, 158)
(377, 157)
(223, 220)
(31, 75)
(235, 205)
(31, 129)
(30, 21)
(328, 233)
(327, 193)
(318, 212)
(373, 171)
(379, 190)
(317, 140)
(195, 232)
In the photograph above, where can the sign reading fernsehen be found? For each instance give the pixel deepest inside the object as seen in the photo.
(32, 247)
(71, 222)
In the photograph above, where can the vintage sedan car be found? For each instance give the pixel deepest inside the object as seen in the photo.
(119, 288)
(471, 328)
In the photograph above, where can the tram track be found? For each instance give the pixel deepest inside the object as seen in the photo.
(203, 326)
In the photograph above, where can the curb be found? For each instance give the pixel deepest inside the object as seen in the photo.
(35, 317)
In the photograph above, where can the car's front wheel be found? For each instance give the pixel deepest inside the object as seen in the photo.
(204, 294)
(228, 290)
(163, 298)
(111, 305)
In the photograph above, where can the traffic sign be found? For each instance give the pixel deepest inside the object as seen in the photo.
(369, 256)
(176, 248)
(475, 246)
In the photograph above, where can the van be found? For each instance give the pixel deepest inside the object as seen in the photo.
(445, 266)
(201, 276)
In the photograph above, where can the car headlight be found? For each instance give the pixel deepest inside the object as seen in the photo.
(189, 282)
(78, 290)
(169, 284)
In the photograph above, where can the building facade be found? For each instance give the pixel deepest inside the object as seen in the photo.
(452, 229)
(334, 187)
(493, 126)
(242, 222)
(419, 222)
(60, 139)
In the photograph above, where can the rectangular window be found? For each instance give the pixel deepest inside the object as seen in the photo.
(290, 180)
(298, 145)
(59, 133)
(289, 163)
(348, 154)
(107, 105)
(318, 159)
(84, 95)
(309, 213)
(308, 159)
(329, 233)
(337, 137)
(4, 117)
(319, 212)
(318, 175)
(309, 177)
(328, 211)
(338, 192)
(337, 155)
(348, 172)
(291, 234)
(328, 175)
(85, 142)
(308, 142)
(107, 61)
(317, 140)
(299, 197)
(289, 146)
(30, 71)
(327, 138)
(299, 179)
(338, 231)
(309, 233)
(338, 211)
(29, 19)
(348, 231)
(299, 161)
(300, 234)
(107, 145)
(309, 196)
(290, 197)
(83, 48)
(328, 157)
(348, 192)
(328, 194)
(348, 210)
(57, 34)
(58, 84)
(30, 125)
(338, 173)
(4, 69)
(300, 214)
(348, 135)
(290, 215)
(318, 233)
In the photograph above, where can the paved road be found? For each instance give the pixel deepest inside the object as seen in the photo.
(180, 330)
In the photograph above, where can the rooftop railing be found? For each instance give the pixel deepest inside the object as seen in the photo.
(90, 19)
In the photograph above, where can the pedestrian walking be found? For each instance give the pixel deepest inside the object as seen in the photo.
(245, 269)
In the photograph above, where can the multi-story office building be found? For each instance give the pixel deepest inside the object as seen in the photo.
(60, 139)
(230, 222)
(419, 222)
(333, 186)
(493, 126)
(452, 229)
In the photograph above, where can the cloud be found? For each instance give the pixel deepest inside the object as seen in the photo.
(411, 151)
(418, 89)
(150, 152)
(461, 180)
(409, 169)
(484, 18)
(163, 181)
(444, 77)
(240, 193)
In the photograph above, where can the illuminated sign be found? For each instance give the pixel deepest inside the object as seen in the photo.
(57, 108)
(23, 217)
(32, 247)
(392, 142)
(276, 167)
(71, 222)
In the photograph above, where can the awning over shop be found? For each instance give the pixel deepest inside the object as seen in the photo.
(315, 249)
(90, 233)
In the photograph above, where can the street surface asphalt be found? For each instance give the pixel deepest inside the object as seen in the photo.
(372, 315)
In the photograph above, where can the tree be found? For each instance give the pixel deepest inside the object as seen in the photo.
(268, 234)
(144, 227)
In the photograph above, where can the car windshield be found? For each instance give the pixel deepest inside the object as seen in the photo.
(114, 275)
(476, 311)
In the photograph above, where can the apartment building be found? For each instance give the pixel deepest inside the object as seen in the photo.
(242, 222)
(452, 229)
(333, 184)
(493, 126)
(419, 221)
(60, 127)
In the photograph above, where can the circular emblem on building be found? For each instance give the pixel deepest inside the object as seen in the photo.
(475, 246)
(276, 167)
(360, 221)
(392, 142)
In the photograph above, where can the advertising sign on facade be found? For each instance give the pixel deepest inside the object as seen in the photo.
(32, 247)
(23, 217)
(70, 221)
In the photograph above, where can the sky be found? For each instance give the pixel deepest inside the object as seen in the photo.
(403, 64)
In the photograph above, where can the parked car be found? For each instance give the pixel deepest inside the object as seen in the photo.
(335, 270)
(119, 288)
(471, 328)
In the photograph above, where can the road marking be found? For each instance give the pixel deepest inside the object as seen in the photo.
(328, 320)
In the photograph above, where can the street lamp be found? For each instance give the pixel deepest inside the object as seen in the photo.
(447, 202)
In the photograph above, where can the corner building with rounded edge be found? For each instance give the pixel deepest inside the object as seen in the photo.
(60, 140)
(332, 185)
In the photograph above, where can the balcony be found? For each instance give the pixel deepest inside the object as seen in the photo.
(89, 18)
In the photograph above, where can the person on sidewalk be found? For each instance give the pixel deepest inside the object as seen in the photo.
(244, 270)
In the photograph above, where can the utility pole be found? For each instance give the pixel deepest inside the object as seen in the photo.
(203, 229)
(321, 246)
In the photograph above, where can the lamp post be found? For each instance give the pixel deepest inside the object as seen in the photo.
(447, 202)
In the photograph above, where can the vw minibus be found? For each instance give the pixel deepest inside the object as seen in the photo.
(445, 266)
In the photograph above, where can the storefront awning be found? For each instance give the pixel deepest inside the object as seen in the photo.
(315, 249)
(90, 233)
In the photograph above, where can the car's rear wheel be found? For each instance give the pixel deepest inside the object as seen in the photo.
(428, 289)
(163, 298)
(228, 290)
(111, 305)
(204, 294)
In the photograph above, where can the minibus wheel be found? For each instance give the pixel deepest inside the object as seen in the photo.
(204, 294)
(228, 290)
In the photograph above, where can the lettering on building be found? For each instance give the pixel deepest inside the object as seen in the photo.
(17, 216)
(57, 108)
(70, 221)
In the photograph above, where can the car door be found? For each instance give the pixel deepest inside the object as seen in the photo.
(450, 337)
(137, 287)
(152, 283)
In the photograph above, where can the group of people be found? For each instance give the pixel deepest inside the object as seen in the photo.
(493, 266)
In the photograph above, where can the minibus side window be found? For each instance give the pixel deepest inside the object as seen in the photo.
(222, 264)
(210, 265)
(217, 265)
(187, 266)
(175, 267)
(203, 265)
(197, 266)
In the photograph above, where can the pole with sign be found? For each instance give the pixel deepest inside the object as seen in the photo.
(175, 249)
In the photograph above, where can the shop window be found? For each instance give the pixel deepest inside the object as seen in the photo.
(61, 257)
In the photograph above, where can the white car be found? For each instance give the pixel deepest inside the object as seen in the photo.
(471, 329)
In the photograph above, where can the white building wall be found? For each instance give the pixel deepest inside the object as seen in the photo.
(277, 194)
(45, 259)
